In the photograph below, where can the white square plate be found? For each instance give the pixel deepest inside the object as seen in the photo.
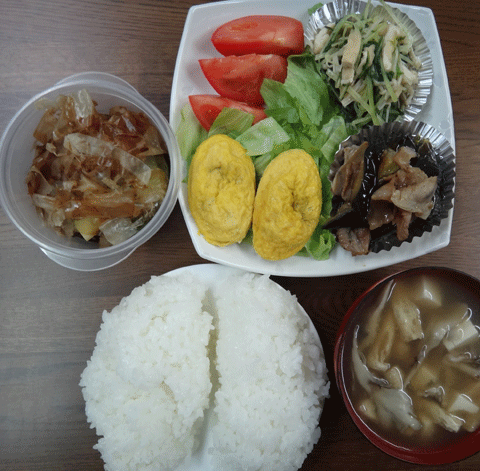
(188, 79)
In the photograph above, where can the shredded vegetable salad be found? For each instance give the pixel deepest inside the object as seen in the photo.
(370, 64)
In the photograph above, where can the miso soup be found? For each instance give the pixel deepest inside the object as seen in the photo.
(415, 361)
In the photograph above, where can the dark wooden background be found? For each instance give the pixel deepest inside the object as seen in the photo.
(49, 315)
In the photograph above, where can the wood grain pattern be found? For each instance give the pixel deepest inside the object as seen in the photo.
(49, 315)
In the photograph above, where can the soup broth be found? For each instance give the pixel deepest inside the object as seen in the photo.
(416, 362)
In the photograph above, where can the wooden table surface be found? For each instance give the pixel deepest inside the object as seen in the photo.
(49, 315)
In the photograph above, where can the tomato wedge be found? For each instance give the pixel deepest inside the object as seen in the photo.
(260, 34)
(240, 77)
(207, 107)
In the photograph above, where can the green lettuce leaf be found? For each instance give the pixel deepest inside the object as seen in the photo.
(232, 122)
(265, 136)
(190, 133)
(320, 244)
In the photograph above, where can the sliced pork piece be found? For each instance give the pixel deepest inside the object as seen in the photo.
(409, 189)
(356, 241)
(384, 193)
(403, 157)
(402, 222)
(418, 198)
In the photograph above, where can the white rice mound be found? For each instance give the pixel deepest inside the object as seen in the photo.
(273, 378)
(147, 384)
(229, 375)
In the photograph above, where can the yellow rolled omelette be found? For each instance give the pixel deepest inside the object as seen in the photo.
(287, 205)
(221, 190)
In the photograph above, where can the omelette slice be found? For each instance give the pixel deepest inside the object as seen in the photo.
(221, 190)
(287, 205)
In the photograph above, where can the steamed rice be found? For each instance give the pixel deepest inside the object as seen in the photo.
(174, 344)
(272, 378)
(147, 384)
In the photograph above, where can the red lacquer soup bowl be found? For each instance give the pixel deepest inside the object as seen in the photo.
(400, 403)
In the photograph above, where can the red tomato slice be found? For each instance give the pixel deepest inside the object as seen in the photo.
(260, 34)
(207, 107)
(240, 77)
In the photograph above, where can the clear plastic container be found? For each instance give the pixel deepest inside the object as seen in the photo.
(16, 156)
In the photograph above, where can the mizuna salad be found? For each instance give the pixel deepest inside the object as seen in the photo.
(370, 64)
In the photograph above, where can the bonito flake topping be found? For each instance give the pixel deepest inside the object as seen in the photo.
(100, 176)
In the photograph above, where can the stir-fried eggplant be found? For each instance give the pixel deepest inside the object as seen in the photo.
(382, 188)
